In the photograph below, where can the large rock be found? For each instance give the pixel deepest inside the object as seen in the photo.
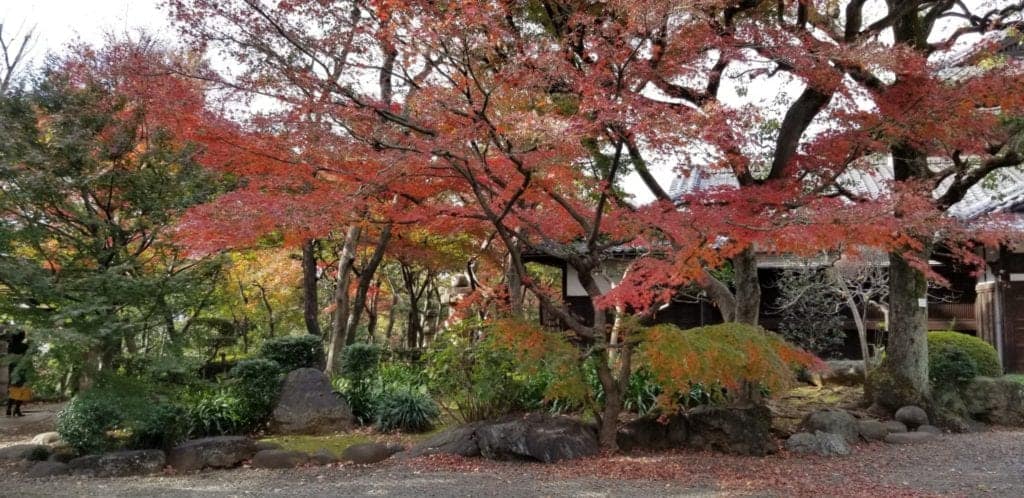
(995, 401)
(842, 372)
(455, 441)
(48, 469)
(368, 453)
(818, 443)
(909, 437)
(25, 452)
(894, 426)
(309, 405)
(216, 452)
(873, 430)
(119, 464)
(736, 430)
(832, 421)
(537, 437)
(912, 416)
(650, 433)
(48, 438)
(279, 459)
(322, 457)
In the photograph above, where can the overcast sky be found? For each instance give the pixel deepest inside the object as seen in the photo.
(58, 22)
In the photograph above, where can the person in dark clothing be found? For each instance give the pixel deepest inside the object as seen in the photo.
(17, 392)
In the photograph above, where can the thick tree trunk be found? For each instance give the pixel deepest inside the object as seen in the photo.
(748, 287)
(365, 279)
(310, 306)
(346, 259)
(902, 378)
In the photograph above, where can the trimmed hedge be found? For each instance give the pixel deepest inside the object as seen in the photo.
(294, 352)
(983, 354)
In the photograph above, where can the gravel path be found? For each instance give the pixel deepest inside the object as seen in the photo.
(394, 481)
(982, 464)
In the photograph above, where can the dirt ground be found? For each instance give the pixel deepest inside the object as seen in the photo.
(981, 464)
(39, 417)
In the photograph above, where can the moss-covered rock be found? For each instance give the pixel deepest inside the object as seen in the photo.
(997, 401)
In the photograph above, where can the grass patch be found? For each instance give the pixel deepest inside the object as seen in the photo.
(1016, 377)
(336, 443)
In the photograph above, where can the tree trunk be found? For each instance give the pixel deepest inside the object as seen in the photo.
(372, 315)
(365, 280)
(389, 330)
(346, 259)
(310, 300)
(748, 287)
(515, 289)
(608, 423)
(414, 327)
(608, 427)
(858, 318)
(902, 378)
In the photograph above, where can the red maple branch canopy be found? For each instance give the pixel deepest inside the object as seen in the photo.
(521, 121)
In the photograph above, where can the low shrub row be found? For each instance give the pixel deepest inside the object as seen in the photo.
(128, 410)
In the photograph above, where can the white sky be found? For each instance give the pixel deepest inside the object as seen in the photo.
(58, 22)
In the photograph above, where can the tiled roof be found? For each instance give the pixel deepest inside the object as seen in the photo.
(1001, 191)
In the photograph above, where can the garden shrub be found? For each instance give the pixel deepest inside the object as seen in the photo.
(159, 428)
(360, 361)
(240, 405)
(359, 382)
(481, 380)
(117, 412)
(257, 384)
(294, 352)
(985, 357)
(949, 367)
(406, 410)
(394, 374)
(735, 356)
(213, 411)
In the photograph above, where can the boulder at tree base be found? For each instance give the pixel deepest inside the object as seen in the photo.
(308, 405)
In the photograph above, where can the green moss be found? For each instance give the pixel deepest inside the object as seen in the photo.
(983, 354)
(336, 443)
(1016, 377)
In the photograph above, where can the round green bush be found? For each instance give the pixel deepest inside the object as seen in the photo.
(294, 352)
(950, 367)
(406, 410)
(984, 355)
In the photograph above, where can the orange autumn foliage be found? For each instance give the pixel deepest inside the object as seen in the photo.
(728, 355)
